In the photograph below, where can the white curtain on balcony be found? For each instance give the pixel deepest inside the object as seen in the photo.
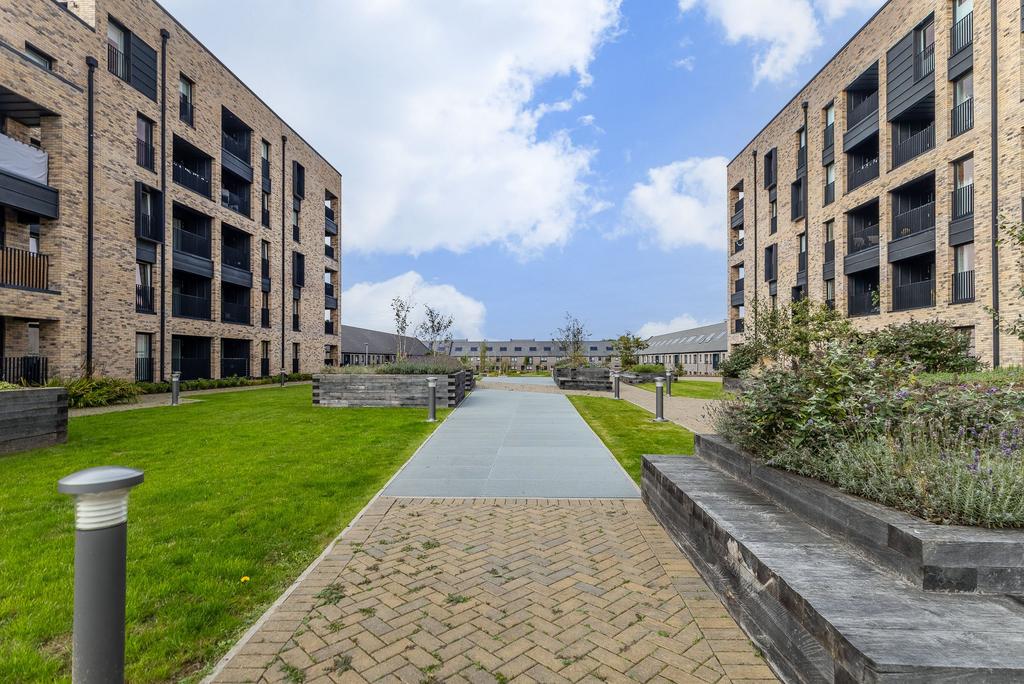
(23, 160)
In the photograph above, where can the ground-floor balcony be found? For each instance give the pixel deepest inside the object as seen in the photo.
(25, 370)
(21, 268)
(913, 295)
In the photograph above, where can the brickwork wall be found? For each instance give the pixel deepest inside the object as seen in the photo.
(894, 21)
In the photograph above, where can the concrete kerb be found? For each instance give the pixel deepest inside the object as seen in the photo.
(268, 613)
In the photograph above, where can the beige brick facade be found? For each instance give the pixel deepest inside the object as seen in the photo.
(61, 96)
(896, 21)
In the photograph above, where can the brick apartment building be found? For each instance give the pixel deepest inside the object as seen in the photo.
(193, 230)
(880, 187)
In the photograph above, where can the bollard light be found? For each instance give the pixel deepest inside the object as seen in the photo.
(432, 400)
(101, 550)
(615, 383)
(659, 400)
(668, 383)
(175, 387)
(284, 374)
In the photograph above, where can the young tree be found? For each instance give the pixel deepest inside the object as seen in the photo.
(571, 337)
(628, 347)
(436, 327)
(401, 308)
(1013, 237)
(483, 356)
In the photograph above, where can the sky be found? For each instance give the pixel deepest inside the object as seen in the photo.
(512, 161)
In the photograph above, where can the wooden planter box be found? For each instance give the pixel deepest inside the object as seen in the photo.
(32, 418)
(371, 389)
(598, 379)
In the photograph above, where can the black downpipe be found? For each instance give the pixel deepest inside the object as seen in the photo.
(756, 281)
(994, 60)
(90, 210)
(164, 36)
(284, 141)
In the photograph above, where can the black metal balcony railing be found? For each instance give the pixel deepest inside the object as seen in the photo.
(830, 251)
(329, 289)
(191, 367)
(143, 369)
(144, 154)
(265, 217)
(913, 221)
(186, 110)
(328, 251)
(235, 201)
(25, 370)
(144, 298)
(862, 237)
(963, 202)
(862, 110)
(237, 367)
(962, 34)
(329, 213)
(295, 365)
(737, 246)
(862, 173)
(21, 268)
(830, 192)
(191, 306)
(328, 327)
(801, 262)
(863, 303)
(738, 325)
(295, 322)
(231, 312)
(190, 179)
(264, 268)
(961, 118)
(769, 173)
(739, 285)
(148, 228)
(801, 159)
(265, 167)
(237, 147)
(295, 233)
(191, 243)
(924, 61)
(265, 318)
(829, 138)
(915, 145)
(773, 224)
(963, 287)
(264, 368)
(913, 295)
(117, 62)
(235, 256)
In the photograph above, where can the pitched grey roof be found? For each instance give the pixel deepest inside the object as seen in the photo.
(707, 338)
(355, 340)
(523, 347)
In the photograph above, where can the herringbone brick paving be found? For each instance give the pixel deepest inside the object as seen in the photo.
(500, 590)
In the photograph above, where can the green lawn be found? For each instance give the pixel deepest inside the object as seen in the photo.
(695, 389)
(251, 483)
(629, 431)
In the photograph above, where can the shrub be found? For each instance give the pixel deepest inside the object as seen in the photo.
(741, 359)
(218, 383)
(84, 392)
(430, 365)
(647, 368)
(935, 345)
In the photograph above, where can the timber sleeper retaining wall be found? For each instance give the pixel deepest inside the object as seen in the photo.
(371, 389)
(32, 418)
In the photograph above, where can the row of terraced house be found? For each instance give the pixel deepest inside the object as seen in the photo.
(155, 214)
(881, 187)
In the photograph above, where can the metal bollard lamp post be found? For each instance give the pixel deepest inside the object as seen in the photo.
(432, 400)
(284, 374)
(101, 550)
(659, 400)
(175, 387)
(668, 383)
(615, 383)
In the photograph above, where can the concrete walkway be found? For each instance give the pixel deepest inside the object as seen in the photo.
(514, 444)
(692, 414)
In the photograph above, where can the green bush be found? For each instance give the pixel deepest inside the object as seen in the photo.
(645, 368)
(85, 392)
(7, 386)
(934, 345)
(741, 359)
(218, 383)
(431, 365)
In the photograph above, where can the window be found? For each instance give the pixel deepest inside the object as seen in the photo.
(924, 50)
(265, 151)
(117, 50)
(963, 88)
(830, 231)
(830, 292)
(963, 172)
(38, 57)
(961, 8)
(143, 274)
(830, 183)
(963, 258)
(144, 142)
(773, 212)
(830, 114)
(33, 239)
(295, 224)
(963, 188)
(186, 97)
(265, 350)
(265, 300)
(962, 116)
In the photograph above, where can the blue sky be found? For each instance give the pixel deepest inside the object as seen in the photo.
(511, 161)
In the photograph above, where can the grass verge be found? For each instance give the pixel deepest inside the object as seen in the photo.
(694, 389)
(629, 432)
(242, 484)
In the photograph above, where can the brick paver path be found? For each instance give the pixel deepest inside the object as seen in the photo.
(499, 590)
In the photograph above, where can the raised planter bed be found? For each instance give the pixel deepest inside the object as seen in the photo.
(595, 379)
(32, 418)
(819, 605)
(631, 378)
(371, 389)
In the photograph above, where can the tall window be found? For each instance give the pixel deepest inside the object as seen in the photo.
(117, 50)
(830, 231)
(963, 258)
(963, 172)
(295, 225)
(33, 239)
(961, 8)
(143, 357)
(963, 88)
(830, 292)
(143, 274)
(265, 301)
(144, 142)
(963, 188)
(265, 209)
(265, 151)
(962, 117)
(830, 115)
(186, 97)
(773, 212)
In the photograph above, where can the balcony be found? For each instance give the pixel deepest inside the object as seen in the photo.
(737, 325)
(24, 269)
(235, 194)
(913, 295)
(295, 322)
(27, 370)
(737, 246)
(144, 299)
(962, 34)
(186, 110)
(234, 367)
(862, 110)
(963, 202)
(739, 285)
(191, 306)
(924, 62)
(24, 174)
(737, 214)
(234, 312)
(830, 193)
(191, 243)
(863, 303)
(144, 155)
(328, 289)
(265, 318)
(830, 251)
(235, 256)
(915, 220)
(862, 172)
(328, 251)
(117, 62)
(862, 237)
(237, 145)
(328, 327)
(914, 145)
(193, 179)
(143, 369)
(961, 118)
(963, 287)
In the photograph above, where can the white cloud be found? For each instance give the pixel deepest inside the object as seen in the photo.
(368, 305)
(787, 31)
(687, 63)
(684, 322)
(681, 204)
(427, 109)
